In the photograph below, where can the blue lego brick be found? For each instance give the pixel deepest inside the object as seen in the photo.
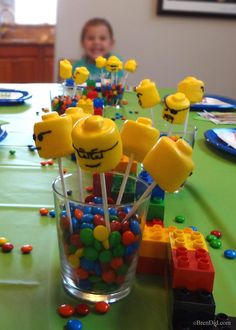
(157, 191)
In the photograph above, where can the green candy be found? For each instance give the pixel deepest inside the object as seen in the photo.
(72, 249)
(100, 287)
(122, 270)
(119, 251)
(90, 253)
(216, 243)
(86, 236)
(211, 238)
(113, 217)
(179, 218)
(105, 256)
(12, 152)
(97, 245)
(94, 278)
(115, 238)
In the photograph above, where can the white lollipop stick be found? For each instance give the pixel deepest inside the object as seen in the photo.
(104, 198)
(170, 129)
(125, 78)
(79, 172)
(63, 87)
(63, 184)
(140, 200)
(125, 178)
(153, 117)
(186, 125)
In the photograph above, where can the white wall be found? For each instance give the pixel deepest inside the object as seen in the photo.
(166, 48)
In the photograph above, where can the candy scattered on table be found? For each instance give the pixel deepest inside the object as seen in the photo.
(66, 310)
(43, 211)
(82, 309)
(7, 247)
(216, 233)
(3, 240)
(102, 307)
(230, 254)
(26, 249)
(12, 152)
(216, 243)
(180, 218)
(74, 325)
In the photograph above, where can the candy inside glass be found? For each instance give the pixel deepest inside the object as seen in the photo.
(112, 91)
(95, 265)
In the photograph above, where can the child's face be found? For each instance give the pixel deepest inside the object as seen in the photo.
(97, 41)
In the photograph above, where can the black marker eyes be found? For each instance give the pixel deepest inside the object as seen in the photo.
(40, 135)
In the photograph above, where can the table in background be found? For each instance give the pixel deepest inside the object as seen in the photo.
(30, 285)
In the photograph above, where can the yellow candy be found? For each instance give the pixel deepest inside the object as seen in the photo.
(138, 137)
(100, 62)
(52, 136)
(81, 74)
(75, 113)
(147, 94)
(130, 65)
(79, 253)
(101, 233)
(192, 88)
(176, 108)
(65, 69)
(86, 105)
(169, 163)
(3, 240)
(97, 143)
(106, 244)
(113, 64)
(73, 261)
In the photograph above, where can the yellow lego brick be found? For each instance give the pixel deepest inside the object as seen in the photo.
(121, 167)
(191, 240)
(155, 241)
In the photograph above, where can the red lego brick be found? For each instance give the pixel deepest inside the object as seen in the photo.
(151, 266)
(192, 270)
(97, 186)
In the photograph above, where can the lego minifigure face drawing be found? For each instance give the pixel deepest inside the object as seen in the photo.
(173, 115)
(139, 95)
(88, 157)
(39, 138)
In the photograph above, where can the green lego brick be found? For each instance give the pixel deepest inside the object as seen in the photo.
(156, 209)
(130, 188)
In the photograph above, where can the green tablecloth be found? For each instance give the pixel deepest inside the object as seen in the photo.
(30, 287)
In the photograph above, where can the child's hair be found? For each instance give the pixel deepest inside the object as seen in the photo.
(93, 22)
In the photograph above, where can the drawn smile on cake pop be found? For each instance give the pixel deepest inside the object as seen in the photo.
(93, 154)
(139, 100)
(40, 136)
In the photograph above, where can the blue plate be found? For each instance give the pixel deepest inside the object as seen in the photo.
(214, 103)
(215, 141)
(3, 134)
(13, 96)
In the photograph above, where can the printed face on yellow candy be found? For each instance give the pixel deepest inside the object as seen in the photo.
(147, 94)
(97, 143)
(174, 116)
(52, 136)
(176, 108)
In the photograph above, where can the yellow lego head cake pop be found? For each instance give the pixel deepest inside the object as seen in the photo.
(97, 143)
(100, 62)
(65, 69)
(169, 163)
(130, 65)
(86, 105)
(81, 74)
(75, 113)
(176, 108)
(147, 94)
(138, 137)
(113, 64)
(192, 88)
(52, 136)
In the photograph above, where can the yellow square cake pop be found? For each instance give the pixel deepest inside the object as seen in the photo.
(52, 136)
(169, 163)
(138, 137)
(147, 94)
(193, 88)
(97, 143)
(65, 69)
(80, 75)
(176, 108)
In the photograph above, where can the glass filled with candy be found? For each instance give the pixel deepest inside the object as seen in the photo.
(112, 91)
(99, 263)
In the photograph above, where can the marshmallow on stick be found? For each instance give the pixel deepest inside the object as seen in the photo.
(193, 88)
(98, 148)
(100, 64)
(130, 66)
(138, 137)
(52, 138)
(148, 95)
(169, 163)
(65, 71)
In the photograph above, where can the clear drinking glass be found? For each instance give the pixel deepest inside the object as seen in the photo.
(98, 268)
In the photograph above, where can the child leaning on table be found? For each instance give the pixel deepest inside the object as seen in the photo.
(97, 39)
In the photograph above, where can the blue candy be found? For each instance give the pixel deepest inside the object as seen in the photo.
(194, 228)
(112, 211)
(87, 225)
(87, 209)
(230, 254)
(85, 284)
(63, 213)
(97, 200)
(87, 218)
(134, 226)
(87, 264)
(52, 213)
(75, 224)
(74, 325)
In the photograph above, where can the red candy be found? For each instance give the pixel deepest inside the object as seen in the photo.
(43, 163)
(115, 225)
(98, 220)
(102, 307)
(109, 276)
(116, 263)
(7, 247)
(75, 240)
(43, 211)
(64, 223)
(89, 198)
(83, 274)
(120, 279)
(216, 233)
(78, 213)
(66, 310)
(128, 238)
(26, 249)
(89, 188)
(82, 309)
(50, 162)
(125, 226)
